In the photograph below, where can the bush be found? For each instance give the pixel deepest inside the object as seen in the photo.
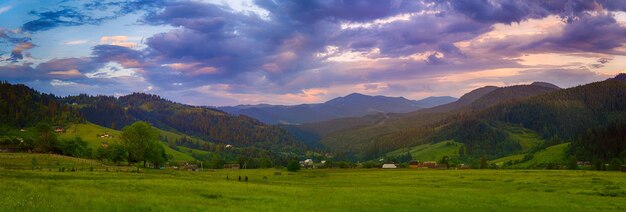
(75, 147)
(293, 166)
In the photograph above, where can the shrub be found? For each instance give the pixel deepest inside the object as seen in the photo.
(293, 166)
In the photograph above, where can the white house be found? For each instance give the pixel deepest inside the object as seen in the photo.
(308, 162)
(389, 166)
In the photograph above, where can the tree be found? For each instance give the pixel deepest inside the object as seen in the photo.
(74, 147)
(293, 166)
(46, 139)
(117, 153)
(156, 154)
(216, 162)
(102, 153)
(572, 163)
(483, 163)
(140, 140)
(615, 164)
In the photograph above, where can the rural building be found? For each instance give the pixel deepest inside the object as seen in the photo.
(106, 135)
(389, 166)
(308, 163)
(414, 164)
(429, 164)
(59, 130)
(105, 144)
(232, 166)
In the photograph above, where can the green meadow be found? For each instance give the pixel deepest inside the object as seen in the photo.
(306, 190)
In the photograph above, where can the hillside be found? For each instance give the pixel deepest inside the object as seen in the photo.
(93, 135)
(419, 127)
(592, 117)
(187, 133)
(353, 105)
(205, 123)
(429, 152)
(21, 106)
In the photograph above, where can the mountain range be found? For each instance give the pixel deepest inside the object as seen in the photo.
(489, 123)
(352, 105)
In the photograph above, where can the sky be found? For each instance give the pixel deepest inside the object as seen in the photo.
(231, 52)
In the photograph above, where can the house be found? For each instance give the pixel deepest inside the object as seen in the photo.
(232, 166)
(308, 163)
(389, 166)
(59, 130)
(429, 164)
(106, 135)
(414, 164)
(104, 144)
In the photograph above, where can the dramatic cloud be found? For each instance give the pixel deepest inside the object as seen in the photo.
(288, 52)
(4, 9)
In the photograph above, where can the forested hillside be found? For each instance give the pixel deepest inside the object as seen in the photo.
(21, 106)
(410, 129)
(205, 123)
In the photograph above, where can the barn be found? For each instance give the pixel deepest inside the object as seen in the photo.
(414, 164)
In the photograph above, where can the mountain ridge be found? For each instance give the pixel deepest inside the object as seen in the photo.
(351, 105)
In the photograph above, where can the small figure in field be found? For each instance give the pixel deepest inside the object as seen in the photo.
(226, 177)
(246, 178)
(239, 177)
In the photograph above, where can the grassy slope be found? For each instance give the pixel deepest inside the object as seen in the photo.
(552, 154)
(430, 152)
(344, 190)
(525, 137)
(89, 131)
(502, 160)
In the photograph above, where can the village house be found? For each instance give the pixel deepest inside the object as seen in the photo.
(308, 163)
(106, 135)
(104, 144)
(59, 130)
(414, 164)
(429, 164)
(389, 166)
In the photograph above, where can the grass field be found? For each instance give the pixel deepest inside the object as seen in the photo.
(319, 190)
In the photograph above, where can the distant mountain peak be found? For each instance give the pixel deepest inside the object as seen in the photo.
(477, 93)
(545, 84)
(355, 95)
(620, 77)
